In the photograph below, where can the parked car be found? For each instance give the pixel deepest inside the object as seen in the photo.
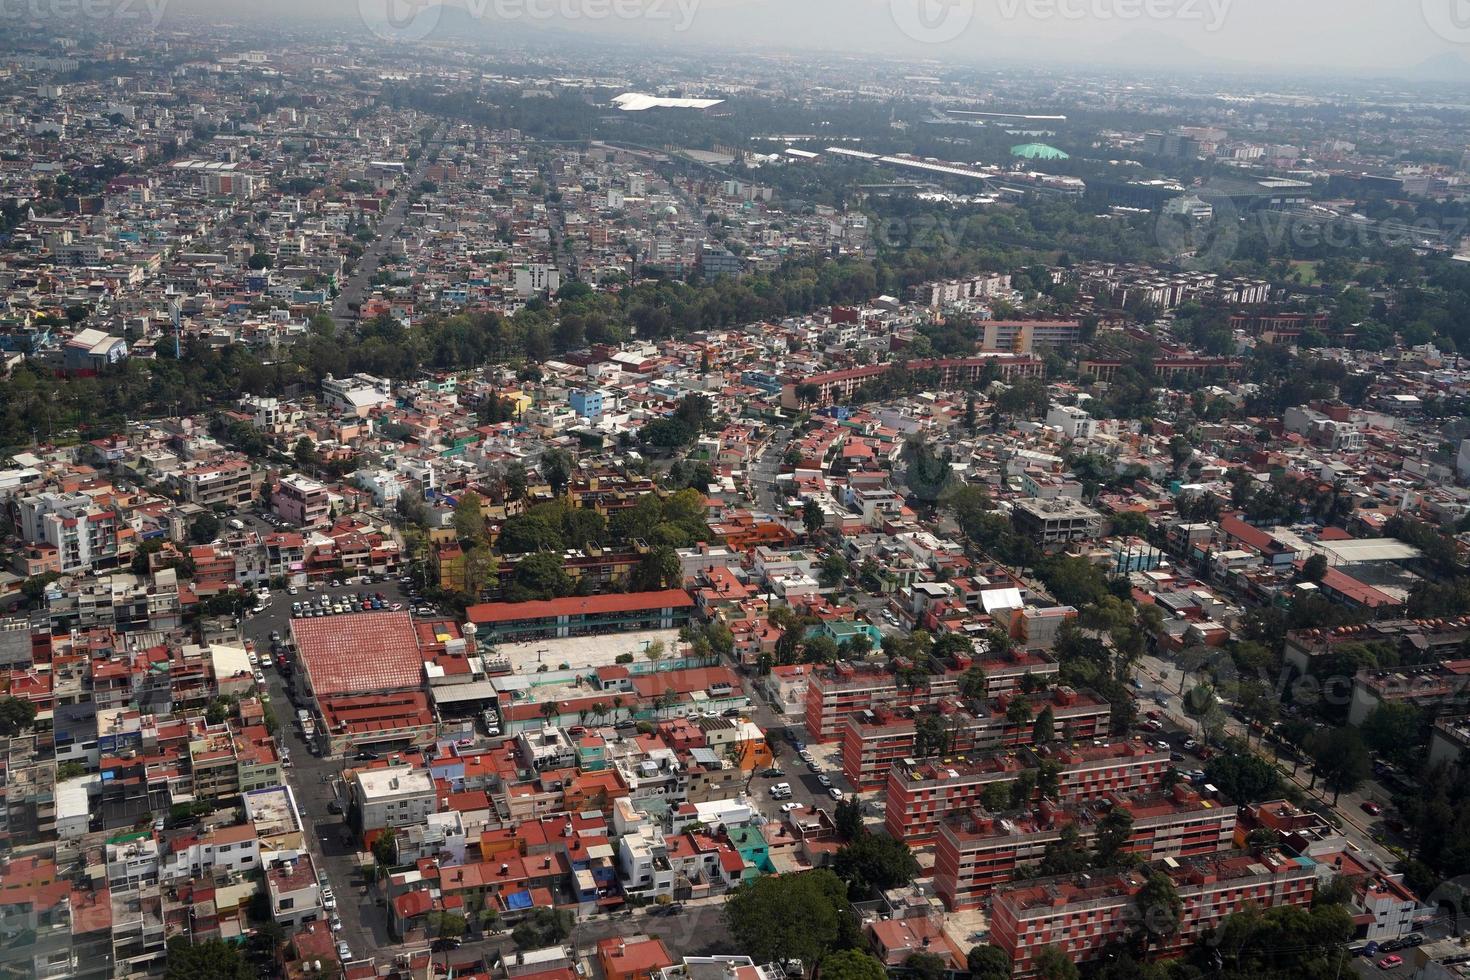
(789, 807)
(1371, 808)
(334, 807)
(344, 951)
(824, 780)
(1389, 962)
(835, 793)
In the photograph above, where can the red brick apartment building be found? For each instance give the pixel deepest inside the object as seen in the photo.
(977, 851)
(835, 694)
(834, 387)
(921, 794)
(877, 740)
(1081, 914)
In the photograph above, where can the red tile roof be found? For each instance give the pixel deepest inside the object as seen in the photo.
(504, 612)
(359, 654)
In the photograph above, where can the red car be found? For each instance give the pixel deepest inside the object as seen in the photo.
(1371, 808)
(1389, 962)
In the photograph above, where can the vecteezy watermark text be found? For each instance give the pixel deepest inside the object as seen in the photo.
(414, 20)
(941, 21)
(125, 11)
(1210, 14)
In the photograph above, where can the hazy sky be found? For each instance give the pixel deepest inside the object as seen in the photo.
(1389, 36)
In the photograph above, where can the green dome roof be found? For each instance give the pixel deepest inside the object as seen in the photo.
(1037, 151)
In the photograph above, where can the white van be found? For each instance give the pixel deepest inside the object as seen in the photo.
(780, 791)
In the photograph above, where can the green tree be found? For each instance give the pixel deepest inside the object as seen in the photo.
(542, 928)
(1044, 729)
(1243, 777)
(469, 518)
(540, 576)
(556, 467)
(926, 966)
(305, 453)
(812, 518)
(446, 925)
(213, 959)
(853, 964)
(874, 863)
(988, 962)
(515, 481)
(1314, 568)
(1053, 964)
(204, 528)
(16, 715)
(1113, 831)
(385, 852)
(996, 796)
(848, 818)
(820, 650)
(833, 571)
(799, 916)
(1158, 908)
(1343, 760)
(1395, 731)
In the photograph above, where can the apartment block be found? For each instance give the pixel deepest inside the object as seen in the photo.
(1082, 914)
(920, 794)
(977, 851)
(877, 740)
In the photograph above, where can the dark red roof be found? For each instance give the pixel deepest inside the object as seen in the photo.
(506, 612)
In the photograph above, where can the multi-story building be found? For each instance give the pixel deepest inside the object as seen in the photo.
(876, 740)
(227, 484)
(1082, 914)
(976, 851)
(294, 891)
(398, 796)
(507, 622)
(1055, 523)
(83, 532)
(1091, 770)
(1449, 739)
(1022, 336)
(302, 501)
(837, 693)
(835, 387)
(920, 794)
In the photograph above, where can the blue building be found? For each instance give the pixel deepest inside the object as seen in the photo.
(587, 404)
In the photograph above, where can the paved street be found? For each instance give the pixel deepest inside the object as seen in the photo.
(363, 926)
(357, 286)
(1357, 826)
(765, 469)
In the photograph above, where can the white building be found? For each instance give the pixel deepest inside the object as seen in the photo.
(399, 796)
(1074, 422)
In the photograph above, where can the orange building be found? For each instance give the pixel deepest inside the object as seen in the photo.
(633, 958)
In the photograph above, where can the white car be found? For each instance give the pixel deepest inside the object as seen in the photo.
(789, 807)
(336, 923)
(259, 678)
(396, 606)
(293, 590)
(344, 951)
(835, 793)
(329, 901)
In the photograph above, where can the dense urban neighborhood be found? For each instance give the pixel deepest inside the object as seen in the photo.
(534, 513)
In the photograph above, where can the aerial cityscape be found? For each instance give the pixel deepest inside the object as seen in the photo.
(722, 490)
